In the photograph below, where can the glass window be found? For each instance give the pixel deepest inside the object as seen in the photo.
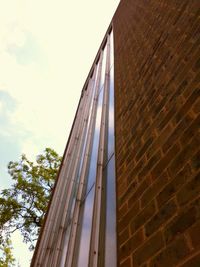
(67, 234)
(94, 154)
(65, 247)
(111, 116)
(110, 242)
(110, 228)
(103, 67)
(83, 256)
(111, 49)
(89, 116)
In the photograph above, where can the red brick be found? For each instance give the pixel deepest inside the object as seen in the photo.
(194, 233)
(192, 262)
(144, 148)
(143, 216)
(156, 120)
(190, 101)
(184, 155)
(130, 188)
(124, 235)
(164, 162)
(149, 165)
(195, 161)
(183, 221)
(126, 263)
(128, 216)
(133, 243)
(123, 210)
(148, 249)
(154, 189)
(140, 190)
(191, 131)
(184, 123)
(173, 186)
(189, 191)
(161, 217)
(172, 254)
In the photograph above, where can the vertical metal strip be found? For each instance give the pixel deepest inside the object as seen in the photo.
(72, 254)
(110, 215)
(96, 223)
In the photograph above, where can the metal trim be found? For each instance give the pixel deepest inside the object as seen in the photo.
(99, 188)
(72, 254)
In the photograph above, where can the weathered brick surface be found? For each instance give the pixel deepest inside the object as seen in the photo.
(132, 243)
(193, 262)
(194, 234)
(157, 106)
(172, 254)
(150, 247)
(174, 185)
(126, 263)
(161, 217)
(143, 216)
(186, 217)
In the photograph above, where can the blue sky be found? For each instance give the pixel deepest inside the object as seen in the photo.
(46, 50)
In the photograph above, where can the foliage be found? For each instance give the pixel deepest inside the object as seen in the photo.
(23, 205)
(6, 258)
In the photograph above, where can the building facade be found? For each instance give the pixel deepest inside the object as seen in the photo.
(128, 190)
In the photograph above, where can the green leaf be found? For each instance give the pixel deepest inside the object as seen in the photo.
(23, 205)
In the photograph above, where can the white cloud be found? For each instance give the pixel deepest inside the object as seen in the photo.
(17, 242)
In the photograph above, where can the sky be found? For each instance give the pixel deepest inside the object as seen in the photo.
(46, 50)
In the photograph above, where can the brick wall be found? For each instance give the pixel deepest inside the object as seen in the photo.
(157, 78)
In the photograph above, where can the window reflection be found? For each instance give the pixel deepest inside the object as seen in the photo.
(67, 235)
(110, 229)
(103, 67)
(111, 116)
(111, 50)
(93, 161)
(110, 244)
(86, 230)
(66, 242)
(89, 116)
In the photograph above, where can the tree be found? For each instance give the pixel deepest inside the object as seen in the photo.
(6, 259)
(22, 207)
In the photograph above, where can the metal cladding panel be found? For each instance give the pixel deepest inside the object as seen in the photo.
(80, 195)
